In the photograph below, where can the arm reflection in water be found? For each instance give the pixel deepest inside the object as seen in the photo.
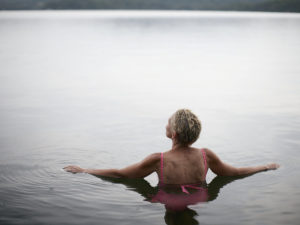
(183, 215)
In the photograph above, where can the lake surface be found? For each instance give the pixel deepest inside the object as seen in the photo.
(96, 88)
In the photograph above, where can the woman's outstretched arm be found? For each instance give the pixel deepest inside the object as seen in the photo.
(138, 170)
(223, 169)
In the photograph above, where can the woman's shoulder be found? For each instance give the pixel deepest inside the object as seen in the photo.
(208, 153)
(205, 150)
(154, 157)
(166, 152)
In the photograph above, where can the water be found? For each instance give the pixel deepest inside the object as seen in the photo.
(95, 89)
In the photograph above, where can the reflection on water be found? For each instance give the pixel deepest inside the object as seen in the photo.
(184, 217)
(95, 89)
(181, 215)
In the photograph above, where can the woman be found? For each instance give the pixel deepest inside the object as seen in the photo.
(183, 164)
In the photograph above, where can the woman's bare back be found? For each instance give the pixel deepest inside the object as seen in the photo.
(184, 166)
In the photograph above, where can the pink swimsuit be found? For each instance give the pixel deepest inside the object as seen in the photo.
(177, 201)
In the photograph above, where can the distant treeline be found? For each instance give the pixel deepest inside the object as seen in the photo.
(236, 5)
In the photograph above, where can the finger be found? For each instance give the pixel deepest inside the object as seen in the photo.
(67, 168)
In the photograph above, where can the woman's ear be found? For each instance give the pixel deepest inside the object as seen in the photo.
(174, 135)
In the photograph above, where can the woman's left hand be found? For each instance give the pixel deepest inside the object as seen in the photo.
(74, 169)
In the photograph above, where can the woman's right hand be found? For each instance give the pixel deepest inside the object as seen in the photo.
(272, 166)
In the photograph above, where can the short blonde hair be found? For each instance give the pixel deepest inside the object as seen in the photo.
(186, 125)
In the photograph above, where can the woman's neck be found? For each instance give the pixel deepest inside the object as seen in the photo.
(177, 146)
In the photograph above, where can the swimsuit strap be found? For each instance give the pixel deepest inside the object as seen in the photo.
(205, 163)
(183, 188)
(161, 167)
